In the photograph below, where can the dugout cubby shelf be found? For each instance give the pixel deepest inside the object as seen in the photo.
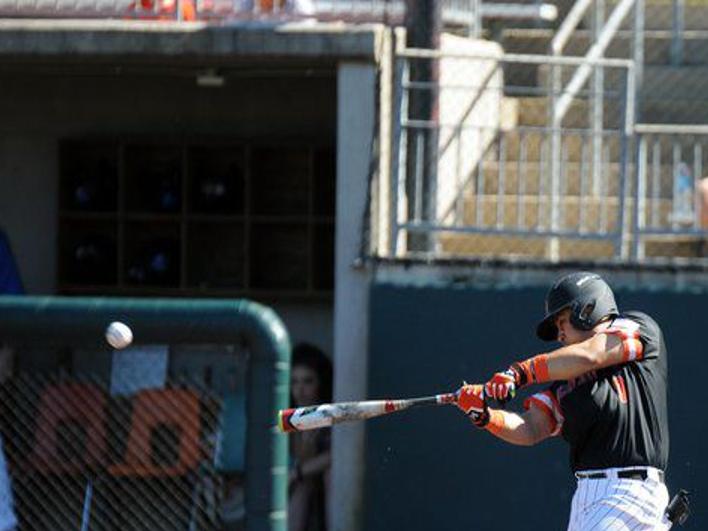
(196, 218)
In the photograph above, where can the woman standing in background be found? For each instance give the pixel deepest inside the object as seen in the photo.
(310, 383)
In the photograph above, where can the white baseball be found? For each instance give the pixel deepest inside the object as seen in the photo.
(119, 335)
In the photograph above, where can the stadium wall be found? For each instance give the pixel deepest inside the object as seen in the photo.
(430, 469)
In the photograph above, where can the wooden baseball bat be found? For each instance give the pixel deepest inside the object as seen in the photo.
(323, 415)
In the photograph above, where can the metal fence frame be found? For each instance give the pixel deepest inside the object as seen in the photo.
(642, 229)
(404, 125)
(82, 321)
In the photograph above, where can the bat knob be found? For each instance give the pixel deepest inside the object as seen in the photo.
(284, 423)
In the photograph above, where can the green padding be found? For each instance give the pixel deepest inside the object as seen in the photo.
(82, 321)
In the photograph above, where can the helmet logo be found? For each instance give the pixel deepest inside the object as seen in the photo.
(585, 279)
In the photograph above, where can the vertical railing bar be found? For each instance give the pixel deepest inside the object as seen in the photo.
(480, 180)
(563, 184)
(419, 161)
(597, 99)
(676, 160)
(605, 192)
(677, 29)
(501, 185)
(459, 181)
(640, 199)
(697, 172)
(541, 181)
(624, 189)
(583, 188)
(398, 182)
(521, 175)
(655, 206)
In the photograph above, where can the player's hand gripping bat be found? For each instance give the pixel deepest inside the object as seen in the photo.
(323, 415)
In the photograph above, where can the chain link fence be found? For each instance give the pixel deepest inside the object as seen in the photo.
(151, 437)
(582, 142)
(479, 171)
(460, 15)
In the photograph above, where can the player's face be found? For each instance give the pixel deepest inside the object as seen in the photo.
(567, 333)
(304, 386)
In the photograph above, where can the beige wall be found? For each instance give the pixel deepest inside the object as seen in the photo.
(470, 113)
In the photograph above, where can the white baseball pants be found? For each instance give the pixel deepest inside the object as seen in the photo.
(619, 504)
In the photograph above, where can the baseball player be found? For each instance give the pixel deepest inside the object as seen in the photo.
(604, 393)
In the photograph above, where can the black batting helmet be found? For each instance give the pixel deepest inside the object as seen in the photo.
(586, 294)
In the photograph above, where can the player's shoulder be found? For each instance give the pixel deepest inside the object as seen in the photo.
(636, 321)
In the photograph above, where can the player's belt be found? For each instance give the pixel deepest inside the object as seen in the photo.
(640, 474)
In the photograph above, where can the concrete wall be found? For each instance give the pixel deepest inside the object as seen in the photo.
(470, 114)
(40, 106)
(355, 128)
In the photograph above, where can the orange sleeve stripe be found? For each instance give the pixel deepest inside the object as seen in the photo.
(496, 422)
(539, 366)
(632, 349)
(545, 408)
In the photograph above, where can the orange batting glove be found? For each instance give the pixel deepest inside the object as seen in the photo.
(471, 400)
(502, 386)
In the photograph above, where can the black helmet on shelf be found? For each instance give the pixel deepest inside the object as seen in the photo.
(589, 298)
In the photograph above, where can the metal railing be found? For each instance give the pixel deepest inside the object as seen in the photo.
(671, 200)
(562, 96)
(488, 179)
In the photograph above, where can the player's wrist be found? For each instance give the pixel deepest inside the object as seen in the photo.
(530, 371)
(481, 420)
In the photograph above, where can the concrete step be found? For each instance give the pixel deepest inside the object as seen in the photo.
(533, 112)
(659, 83)
(514, 211)
(532, 178)
(575, 146)
(487, 246)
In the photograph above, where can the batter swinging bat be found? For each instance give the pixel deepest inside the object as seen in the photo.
(323, 415)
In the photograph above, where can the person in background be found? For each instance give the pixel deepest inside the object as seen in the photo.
(308, 485)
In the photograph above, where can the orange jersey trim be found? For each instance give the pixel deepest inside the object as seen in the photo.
(547, 402)
(496, 422)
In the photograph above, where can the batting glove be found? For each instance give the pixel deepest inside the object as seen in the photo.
(471, 400)
(503, 385)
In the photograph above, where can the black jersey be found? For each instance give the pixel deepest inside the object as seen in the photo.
(617, 416)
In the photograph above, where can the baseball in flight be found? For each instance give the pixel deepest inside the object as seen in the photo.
(119, 335)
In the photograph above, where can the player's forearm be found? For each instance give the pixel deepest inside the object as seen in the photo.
(574, 360)
(567, 362)
(512, 428)
(570, 362)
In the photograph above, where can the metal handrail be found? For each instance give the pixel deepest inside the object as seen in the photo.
(424, 53)
(570, 23)
(597, 50)
(671, 129)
